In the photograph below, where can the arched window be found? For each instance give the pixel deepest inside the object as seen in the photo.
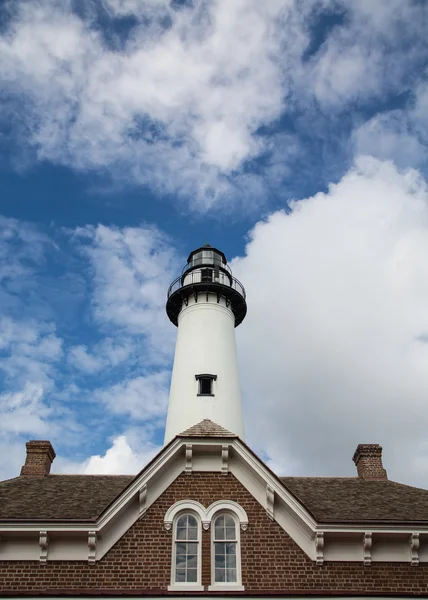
(186, 565)
(226, 552)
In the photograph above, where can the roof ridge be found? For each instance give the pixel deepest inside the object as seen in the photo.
(347, 477)
(90, 475)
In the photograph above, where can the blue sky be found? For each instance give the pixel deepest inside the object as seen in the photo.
(291, 135)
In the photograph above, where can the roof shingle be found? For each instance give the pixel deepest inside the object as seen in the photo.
(351, 499)
(62, 497)
(207, 428)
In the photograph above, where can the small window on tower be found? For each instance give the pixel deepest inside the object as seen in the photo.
(206, 275)
(205, 384)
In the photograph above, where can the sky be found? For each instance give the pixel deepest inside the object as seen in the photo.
(293, 136)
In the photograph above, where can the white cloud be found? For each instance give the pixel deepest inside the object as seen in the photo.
(132, 269)
(391, 136)
(182, 101)
(143, 398)
(119, 458)
(180, 106)
(105, 354)
(126, 455)
(30, 349)
(373, 54)
(333, 350)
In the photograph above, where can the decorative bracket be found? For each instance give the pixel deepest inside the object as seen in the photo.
(142, 498)
(414, 543)
(270, 499)
(224, 459)
(319, 547)
(92, 545)
(189, 452)
(367, 548)
(43, 543)
(206, 525)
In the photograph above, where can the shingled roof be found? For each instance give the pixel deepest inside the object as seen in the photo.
(59, 497)
(328, 499)
(351, 499)
(207, 428)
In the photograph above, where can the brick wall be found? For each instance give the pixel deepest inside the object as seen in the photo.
(140, 562)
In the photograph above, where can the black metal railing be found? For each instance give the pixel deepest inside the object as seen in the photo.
(209, 262)
(206, 276)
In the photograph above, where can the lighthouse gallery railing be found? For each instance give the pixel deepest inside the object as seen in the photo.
(207, 276)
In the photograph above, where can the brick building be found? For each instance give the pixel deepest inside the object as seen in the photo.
(206, 516)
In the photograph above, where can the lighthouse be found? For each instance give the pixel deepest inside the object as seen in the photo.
(206, 303)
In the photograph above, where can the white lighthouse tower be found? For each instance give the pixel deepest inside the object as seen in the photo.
(206, 303)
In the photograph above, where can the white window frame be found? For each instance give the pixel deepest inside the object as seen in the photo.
(186, 586)
(218, 586)
(205, 517)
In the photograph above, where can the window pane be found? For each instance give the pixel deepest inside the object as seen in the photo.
(219, 548)
(182, 521)
(205, 385)
(192, 533)
(191, 575)
(220, 575)
(192, 548)
(231, 561)
(220, 561)
(230, 533)
(181, 533)
(192, 521)
(219, 522)
(180, 561)
(180, 575)
(180, 548)
(231, 575)
(219, 532)
(191, 562)
(228, 521)
(230, 548)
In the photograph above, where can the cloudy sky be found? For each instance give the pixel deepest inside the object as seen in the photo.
(292, 135)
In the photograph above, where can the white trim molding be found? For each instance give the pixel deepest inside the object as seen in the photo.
(319, 547)
(44, 546)
(92, 546)
(228, 506)
(225, 459)
(142, 499)
(414, 543)
(183, 506)
(270, 501)
(189, 465)
(367, 548)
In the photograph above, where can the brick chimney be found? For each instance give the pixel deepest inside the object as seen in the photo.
(368, 460)
(40, 454)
